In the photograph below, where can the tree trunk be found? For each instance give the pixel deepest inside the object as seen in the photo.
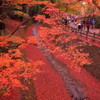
(12, 33)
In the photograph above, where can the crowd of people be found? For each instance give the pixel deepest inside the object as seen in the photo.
(80, 23)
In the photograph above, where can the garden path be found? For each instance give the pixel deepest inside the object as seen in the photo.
(49, 84)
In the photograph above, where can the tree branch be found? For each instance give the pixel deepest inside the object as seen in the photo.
(12, 33)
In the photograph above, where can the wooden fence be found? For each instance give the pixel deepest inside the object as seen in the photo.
(88, 35)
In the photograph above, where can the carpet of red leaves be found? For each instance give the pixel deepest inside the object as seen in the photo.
(14, 93)
(48, 83)
(91, 83)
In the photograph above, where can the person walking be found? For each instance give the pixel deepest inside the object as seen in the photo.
(75, 24)
(84, 23)
(92, 23)
(88, 25)
(79, 24)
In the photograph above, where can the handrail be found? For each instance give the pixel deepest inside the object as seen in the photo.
(88, 35)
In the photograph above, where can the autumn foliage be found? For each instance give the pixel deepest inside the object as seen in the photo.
(54, 35)
(12, 64)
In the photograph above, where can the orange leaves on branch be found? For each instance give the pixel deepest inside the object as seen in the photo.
(12, 65)
(40, 17)
(78, 57)
(15, 53)
(32, 39)
(12, 68)
(56, 39)
(4, 40)
(5, 59)
(15, 39)
(16, 83)
(22, 46)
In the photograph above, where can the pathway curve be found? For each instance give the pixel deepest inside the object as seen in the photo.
(74, 86)
(48, 83)
(70, 83)
(92, 85)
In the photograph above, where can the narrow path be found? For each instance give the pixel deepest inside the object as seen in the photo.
(70, 83)
(48, 83)
(50, 76)
(92, 85)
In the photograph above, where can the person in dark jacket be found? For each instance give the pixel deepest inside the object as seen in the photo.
(88, 25)
(84, 23)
